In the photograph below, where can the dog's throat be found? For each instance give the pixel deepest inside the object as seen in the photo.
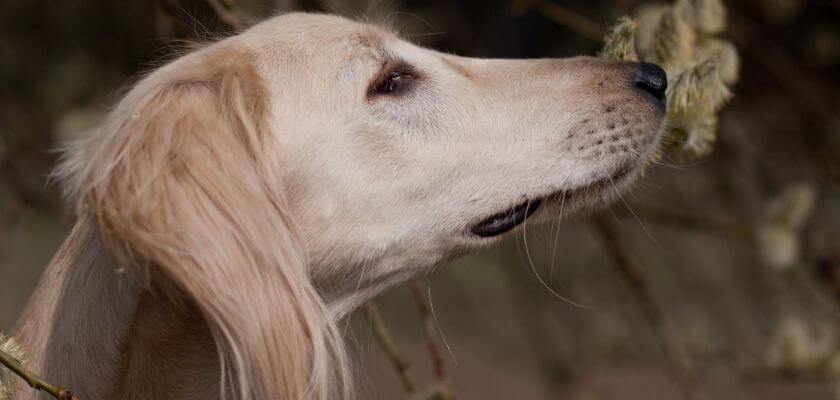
(505, 221)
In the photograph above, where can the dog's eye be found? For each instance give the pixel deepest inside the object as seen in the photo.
(392, 82)
(393, 79)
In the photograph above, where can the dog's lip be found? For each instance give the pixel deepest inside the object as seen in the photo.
(505, 221)
(502, 222)
(598, 185)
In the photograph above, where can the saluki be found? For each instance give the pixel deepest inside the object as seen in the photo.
(243, 198)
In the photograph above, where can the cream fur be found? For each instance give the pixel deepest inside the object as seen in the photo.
(242, 199)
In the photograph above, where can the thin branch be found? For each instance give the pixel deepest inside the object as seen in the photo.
(228, 12)
(431, 339)
(713, 225)
(397, 360)
(428, 330)
(560, 15)
(579, 24)
(34, 380)
(11, 173)
(674, 349)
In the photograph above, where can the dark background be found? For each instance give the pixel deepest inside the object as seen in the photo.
(680, 300)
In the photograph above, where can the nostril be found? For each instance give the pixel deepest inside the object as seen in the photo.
(652, 79)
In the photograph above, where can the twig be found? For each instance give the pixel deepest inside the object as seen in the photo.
(34, 380)
(397, 360)
(809, 95)
(560, 15)
(11, 173)
(578, 23)
(428, 330)
(555, 364)
(672, 346)
(724, 227)
(228, 12)
(431, 339)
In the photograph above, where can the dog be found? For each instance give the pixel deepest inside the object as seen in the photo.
(243, 198)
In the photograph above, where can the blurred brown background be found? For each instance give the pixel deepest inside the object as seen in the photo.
(723, 282)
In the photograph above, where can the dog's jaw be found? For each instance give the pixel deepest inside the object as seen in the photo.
(383, 188)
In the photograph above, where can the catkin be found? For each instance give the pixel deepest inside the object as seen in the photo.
(9, 380)
(700, 66)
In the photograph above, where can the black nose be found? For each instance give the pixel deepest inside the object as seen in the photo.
(652, 79)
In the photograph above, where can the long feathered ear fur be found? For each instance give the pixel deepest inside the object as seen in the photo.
(182, 183)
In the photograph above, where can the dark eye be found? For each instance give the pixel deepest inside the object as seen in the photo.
(393, 79)
(392, 82)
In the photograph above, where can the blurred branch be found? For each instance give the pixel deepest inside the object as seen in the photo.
(808, 90)
(228, 12)
(284, 5)
(10, 172)
(387, 343)
(555, 365)
(428, 329)
(431, 341)
(578, 23)
(34, 380)
(732, 228)
(835, 4)
(560, 15)
(674, 349)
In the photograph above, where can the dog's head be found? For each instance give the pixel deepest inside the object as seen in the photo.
(396, 157)
(284, 175)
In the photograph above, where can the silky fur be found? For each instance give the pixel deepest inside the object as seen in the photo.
(242, 199)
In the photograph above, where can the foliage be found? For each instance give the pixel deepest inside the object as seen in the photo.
(682, 39)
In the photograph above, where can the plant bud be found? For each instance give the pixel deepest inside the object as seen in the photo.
(697, 92)
(8, 379)
(665, 39)
(724, 54)
(699, 137)
(620, 41)
(707, 16)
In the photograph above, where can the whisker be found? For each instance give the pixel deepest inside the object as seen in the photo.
(656, 162)
(556, 237)
(356, 293)
(394, 14)
(644, 228)
(539, 277)
(437, 325)
(414, 35)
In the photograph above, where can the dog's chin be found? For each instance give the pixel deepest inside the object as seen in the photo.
(591, 195)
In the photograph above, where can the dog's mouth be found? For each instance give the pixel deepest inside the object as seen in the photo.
(505, 221)
(502, 222)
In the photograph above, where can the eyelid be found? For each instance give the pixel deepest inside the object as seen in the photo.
(399, 66)
(387, 71)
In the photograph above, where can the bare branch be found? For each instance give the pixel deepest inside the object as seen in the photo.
(707, 223)
(431, 340)
(560, 15)
(672, 346)
(428, 329)
(397, 360)
(34, 380)
(228, 12)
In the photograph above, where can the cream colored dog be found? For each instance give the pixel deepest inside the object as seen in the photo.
(243, 198)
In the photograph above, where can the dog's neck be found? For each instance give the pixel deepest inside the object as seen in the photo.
(343, 300)
(103, 334)
(73, 327)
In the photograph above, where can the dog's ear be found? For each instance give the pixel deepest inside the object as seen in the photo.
(184, 183)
